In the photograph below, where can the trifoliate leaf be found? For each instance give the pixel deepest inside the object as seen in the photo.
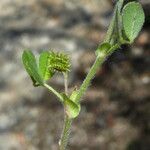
(44, 61)
(31, 67)
(72, 108)
(133, 19)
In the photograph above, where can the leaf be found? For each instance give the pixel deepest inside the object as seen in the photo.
(133, 20)
(35, 83)
(72, 109)
(44, 61)
(30, 65)
(118, 24)
(74, 95)
(102, 49)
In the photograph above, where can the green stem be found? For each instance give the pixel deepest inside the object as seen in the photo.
(65, 134)
(66, 82)
(67, 121)
(98, 62)
(97, 65)
(54, 92)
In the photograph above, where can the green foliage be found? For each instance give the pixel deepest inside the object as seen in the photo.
(49, 63)
(133, 19)
(72, 109)
(44, 62)
(31, 67)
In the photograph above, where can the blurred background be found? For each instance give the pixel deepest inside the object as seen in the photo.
(116, 108)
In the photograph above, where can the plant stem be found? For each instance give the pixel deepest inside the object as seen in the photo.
(54, 92)
(98, 62)
(66, 82)
(101, 58)
(65, 133)
(67, 121)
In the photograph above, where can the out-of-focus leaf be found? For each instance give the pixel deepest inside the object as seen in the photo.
(133, 19)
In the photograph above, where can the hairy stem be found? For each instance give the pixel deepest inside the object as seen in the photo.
(67, 121)
(65, 133)
(98, 62)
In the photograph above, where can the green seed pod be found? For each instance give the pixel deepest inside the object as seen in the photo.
(59, 62)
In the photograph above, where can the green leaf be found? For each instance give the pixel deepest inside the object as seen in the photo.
(74, 95)
(133, 20)
(44, 62)
(72, 108)
(31, 67)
